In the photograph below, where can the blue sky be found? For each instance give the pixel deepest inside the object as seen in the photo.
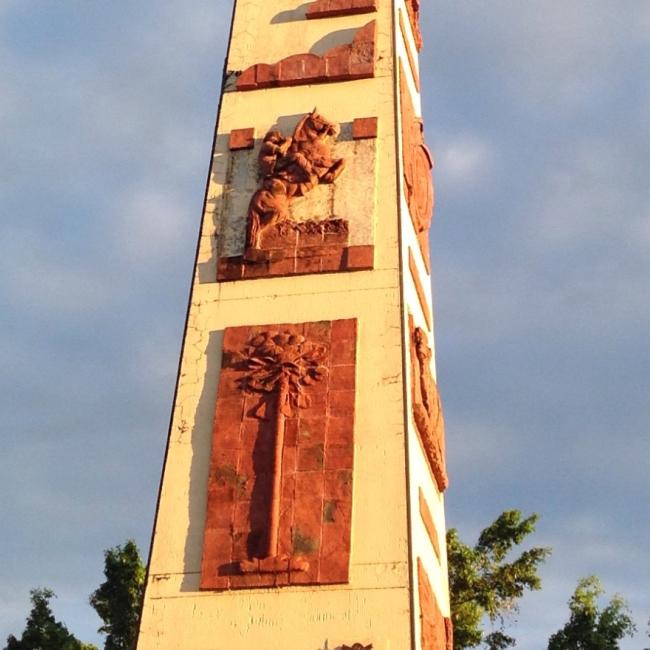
(537, 113)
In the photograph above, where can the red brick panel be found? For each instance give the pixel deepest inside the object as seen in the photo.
(315, 488)
(355, 60)
(329, 8)
(433, 628)
(241, 139)
(364, 127)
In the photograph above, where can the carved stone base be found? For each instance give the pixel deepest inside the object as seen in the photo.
(290, 248)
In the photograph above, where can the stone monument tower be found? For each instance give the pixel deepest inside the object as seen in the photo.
(301, 504)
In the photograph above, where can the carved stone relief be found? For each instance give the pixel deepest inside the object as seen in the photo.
(356, 60)
(291, 167)
(313, 209)
(331, 8)
(427, 407)
(280, 484)
(418, 163)
(436, 631)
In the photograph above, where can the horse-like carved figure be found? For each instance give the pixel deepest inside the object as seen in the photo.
(291, 167)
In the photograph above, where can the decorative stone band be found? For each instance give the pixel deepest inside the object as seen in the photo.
(279, 505)
(436, 631)
(330, 8)
(355, 60)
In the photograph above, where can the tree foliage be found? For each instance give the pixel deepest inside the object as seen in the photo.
(483, 583)
(42, 630)
(592, 628)
(117, 600)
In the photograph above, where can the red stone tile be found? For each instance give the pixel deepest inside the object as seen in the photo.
(337, 63)
(229, 413)
(344, 329)
(247, 79)
(287, 266)
(360, 257)
(241, 139)
(341, 403)
(338, 484)
(256, 270)
(229, 384)
(308, 265)
(342, 377)
(318, 331)
(283, 236)
(335, 568)
(312, 430)
(291, 432)
(339, 456)
(220, 515)
(292, 69)
(217, 546)
(314, 68)
(309, 483)
(242, 518)
(229, 268)
(333, 262)
(340, 431)
(289, 460)
(267, 75)
(364, 127)
(235, 337)
(343, 351)
(223, 461)
(313, 238)
(331, 8)
(311, 458)
(252, 580)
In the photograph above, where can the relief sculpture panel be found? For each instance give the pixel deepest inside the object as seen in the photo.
(427, 407)
(309, 200)
(280, 484)
(418, 163)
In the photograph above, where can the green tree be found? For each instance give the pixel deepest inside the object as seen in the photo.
(483, 583)
(117, 600)
(42, 630)
(592, 628)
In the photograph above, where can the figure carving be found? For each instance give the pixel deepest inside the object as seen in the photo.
(291, 167)
(285, 364)
(417, 174)
(418, 163)
(427, 407)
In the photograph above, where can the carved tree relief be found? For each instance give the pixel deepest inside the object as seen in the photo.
(418, 163)
(280, 484)
(283, 365)
(427, 407)
(291, 167)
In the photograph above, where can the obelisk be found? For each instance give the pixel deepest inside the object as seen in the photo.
(301, 502)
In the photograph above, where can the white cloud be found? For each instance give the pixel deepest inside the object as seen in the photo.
(463, 161)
